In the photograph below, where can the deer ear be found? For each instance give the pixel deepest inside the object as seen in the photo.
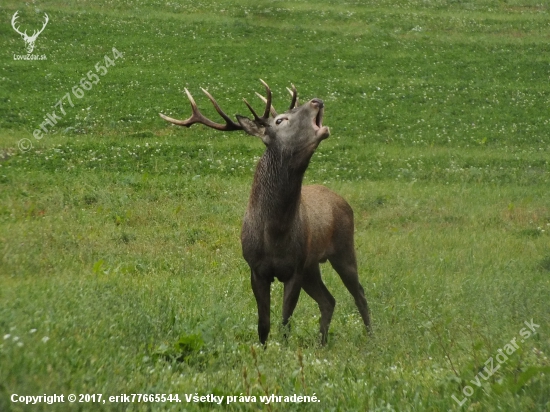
(253, 128)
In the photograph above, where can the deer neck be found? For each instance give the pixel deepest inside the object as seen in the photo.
(276, 190)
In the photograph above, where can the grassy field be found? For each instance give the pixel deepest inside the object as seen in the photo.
(120, 260)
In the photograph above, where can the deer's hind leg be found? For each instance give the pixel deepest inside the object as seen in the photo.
(345, 264)
(314, 287)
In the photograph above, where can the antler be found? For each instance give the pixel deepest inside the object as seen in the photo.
(294, 93)
(230, 125)
(272, 110)
(294, 103)
(198, 117)
(268, 107)
(24, 34)
(13, 21)
(46, 20)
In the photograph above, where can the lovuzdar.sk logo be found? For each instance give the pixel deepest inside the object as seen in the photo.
(28, 39)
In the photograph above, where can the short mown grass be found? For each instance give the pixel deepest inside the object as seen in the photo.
(120, 260)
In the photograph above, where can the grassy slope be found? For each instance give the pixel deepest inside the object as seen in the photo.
(119, 235)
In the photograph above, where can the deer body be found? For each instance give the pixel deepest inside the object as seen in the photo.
(288, 229)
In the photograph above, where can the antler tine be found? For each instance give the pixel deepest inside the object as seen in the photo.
(191, 120)
(225, 117)
(46, 20)
(272, 110)
(256, 117)
(14, 22)
(198, 117)
(294, 94)
(268, 102)
(268, 107)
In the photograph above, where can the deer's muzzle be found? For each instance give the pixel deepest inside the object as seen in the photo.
(318, 102)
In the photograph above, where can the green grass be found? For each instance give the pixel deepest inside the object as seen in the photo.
(120, 261)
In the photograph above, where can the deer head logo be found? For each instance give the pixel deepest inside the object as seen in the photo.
(29, 40)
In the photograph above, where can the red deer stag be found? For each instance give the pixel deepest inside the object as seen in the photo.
(288, 229)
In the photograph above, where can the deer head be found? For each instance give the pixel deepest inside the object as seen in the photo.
(29, 40)
(299, 128)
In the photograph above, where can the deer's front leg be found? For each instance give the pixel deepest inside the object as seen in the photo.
(291, 294)
(262, 292)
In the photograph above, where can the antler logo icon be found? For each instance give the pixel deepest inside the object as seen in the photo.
(29, 40)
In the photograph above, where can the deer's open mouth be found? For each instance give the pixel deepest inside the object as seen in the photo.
(319, 117)
(321, 131)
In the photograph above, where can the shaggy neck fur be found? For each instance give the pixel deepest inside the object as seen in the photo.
(277, 185)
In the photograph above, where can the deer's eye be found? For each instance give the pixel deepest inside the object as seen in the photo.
(279, 121)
